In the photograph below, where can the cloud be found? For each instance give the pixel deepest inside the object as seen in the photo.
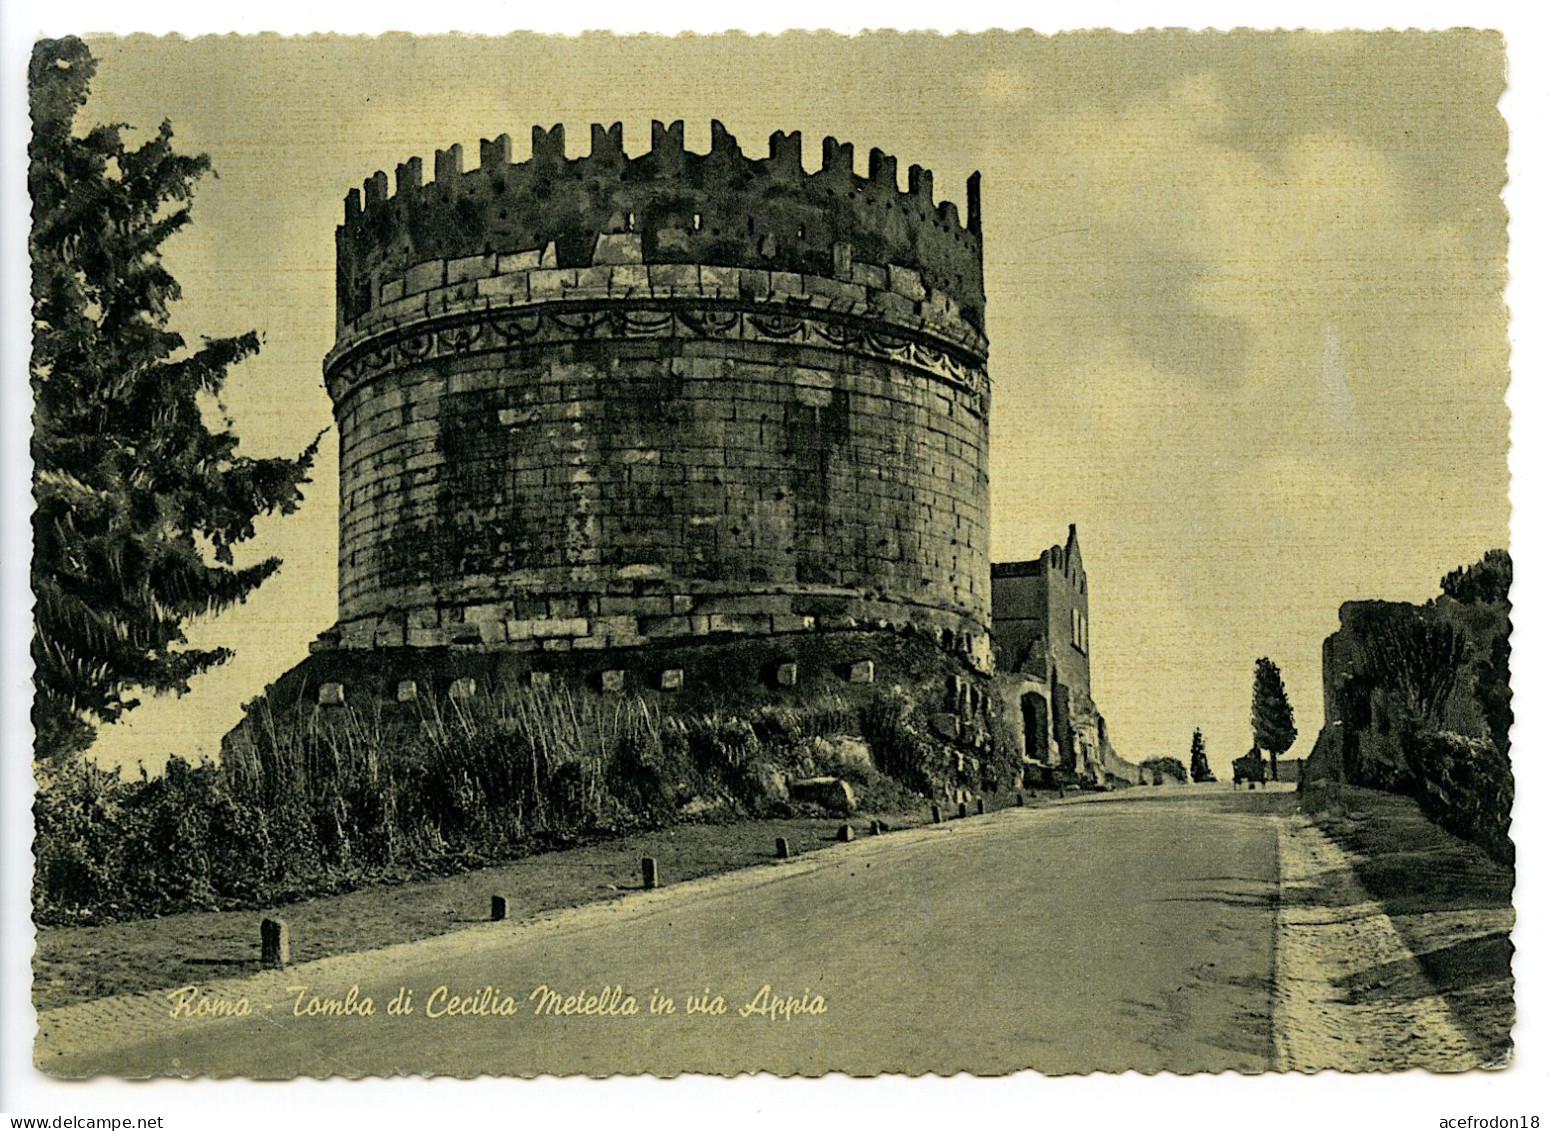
(1274, 377)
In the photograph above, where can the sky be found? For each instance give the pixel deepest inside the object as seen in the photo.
(1243, 299)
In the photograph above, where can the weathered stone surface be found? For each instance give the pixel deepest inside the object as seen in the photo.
(869, 275)
(1040, 608)
(850, 750)
(611, 679)
(834, 794)
(786, 674)
(587, 412)
(424, 276)
(671, 680)
(742, 623)
(863, 671)
(772, 781)
(903, 281)
(468, 267)
(274, 939)
(462, 689)
(618, 248)
(408, 691)
(946, 726)
(331, 694)
(664, 626)
(518, 261)
(326, 641)
(559, 626)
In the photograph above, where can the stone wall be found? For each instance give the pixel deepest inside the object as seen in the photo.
(1069, 639)
(574, 413)
(721, 207)
(1040, 619)
(1019, 617)
(1041, 632)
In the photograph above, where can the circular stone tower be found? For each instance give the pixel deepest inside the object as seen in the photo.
(603, 401)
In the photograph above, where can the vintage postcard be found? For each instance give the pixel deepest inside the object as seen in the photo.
(880, 554)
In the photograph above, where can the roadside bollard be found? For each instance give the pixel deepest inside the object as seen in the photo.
(979, 806)
(1020, 801)
(497, 908)
(963, 809)
(936, 814)
(782, 848)
(845, 835)
(877, 828)
(274, 938)
(648, 872)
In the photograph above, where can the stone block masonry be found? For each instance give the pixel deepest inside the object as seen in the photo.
(604, 402)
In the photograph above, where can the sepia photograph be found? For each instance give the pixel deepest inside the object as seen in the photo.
(881, 554)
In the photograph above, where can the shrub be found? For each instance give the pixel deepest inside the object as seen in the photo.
(1165, 765)
(1465, 785)
(1002, 766)
(309, 800)
(893, 728)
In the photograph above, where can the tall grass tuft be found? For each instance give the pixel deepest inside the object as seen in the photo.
(309, 800)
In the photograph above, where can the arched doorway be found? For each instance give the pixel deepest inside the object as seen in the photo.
(1036, 727)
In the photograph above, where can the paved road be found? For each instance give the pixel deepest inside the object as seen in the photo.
(1126, 932)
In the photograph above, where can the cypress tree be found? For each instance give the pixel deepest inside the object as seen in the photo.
(1271, 714)
(1199, 768)
(138, 500)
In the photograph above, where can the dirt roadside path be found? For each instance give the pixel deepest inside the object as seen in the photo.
(1361, 990)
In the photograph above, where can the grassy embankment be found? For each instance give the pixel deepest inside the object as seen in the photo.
(382, 800)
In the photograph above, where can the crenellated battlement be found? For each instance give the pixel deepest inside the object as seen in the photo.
(608, 402)
(667, 205)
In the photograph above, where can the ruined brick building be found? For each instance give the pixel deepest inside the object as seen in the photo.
(1043, 646)
(597, 404)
